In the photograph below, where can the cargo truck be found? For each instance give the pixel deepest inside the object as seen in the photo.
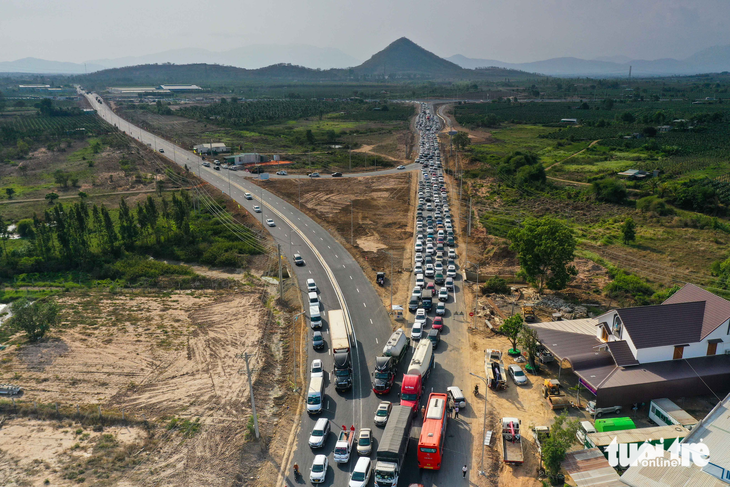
(427, 299)
(511, 441)
(386, 366)
(416, 375)
(393, 446)
(340, 340)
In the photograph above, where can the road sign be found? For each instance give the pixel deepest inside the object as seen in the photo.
(264, 175)
(471, 314)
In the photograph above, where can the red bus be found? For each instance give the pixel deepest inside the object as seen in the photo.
(433, 433)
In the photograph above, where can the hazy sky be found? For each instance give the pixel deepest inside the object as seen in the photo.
(505, 30)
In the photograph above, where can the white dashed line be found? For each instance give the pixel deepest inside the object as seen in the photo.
(371, 322)
(343, 266)
(336, 256)
(329, 247)
(365, 305)
(350, 277)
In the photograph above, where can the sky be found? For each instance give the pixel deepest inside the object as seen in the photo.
(504, 30)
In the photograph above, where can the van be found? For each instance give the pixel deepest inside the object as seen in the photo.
(584, 429)
(614, 424)
(315, 395)
(313, 300)
(315, 318)
(456, 397)
(311, 286)
(318, 437)
(413, 303)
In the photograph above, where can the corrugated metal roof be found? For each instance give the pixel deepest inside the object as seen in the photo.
(664, 324)
(667, 476)
(622, 353)
(568, 338)
(714, 431)
(717, 309)
(677, 412)
(670, 370)
(589, 468)
(638, 435)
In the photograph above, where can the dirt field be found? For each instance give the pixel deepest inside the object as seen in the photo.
(162, 357)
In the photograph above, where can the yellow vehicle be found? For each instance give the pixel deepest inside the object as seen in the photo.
(528, 312)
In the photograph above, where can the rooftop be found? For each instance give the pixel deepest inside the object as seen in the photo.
(664, 324)
(717, 309)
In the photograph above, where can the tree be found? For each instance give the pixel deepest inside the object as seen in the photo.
(35, 319)
(491, 121)
(51, 197)
(545, 248)
(628, 230)
(607, 103)
(562, 436)
(23, 147)
(511, 328)
(628, 117)
(609, 191)
(649, 131)
(25, 228)
(2, 101)
(531, 175)
(309, 136)
(61, 178)
(529, 341)
(461, 140)
(10, 192)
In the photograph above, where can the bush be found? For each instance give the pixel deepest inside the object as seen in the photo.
(495, 285)
(654, 204)
(609, 191)
(25, 228)
(629, 286)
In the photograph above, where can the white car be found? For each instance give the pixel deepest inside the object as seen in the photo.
(418, 268)
(416, 291)
(449, 284)
(417, 331)
(361, 475)
(270, 222)
(247, 196)
(451, 271)
(452, 253)
(365, 441)
(318, 436)
(281, 173)
(419, 247)
(443, 294)
(317, 370)
(319, 469)
(257, 209)
(401, 167)
(429, 270)
(439, 267)
(382, 413)
(420, 281)
(421, 316)
(311, 286)
(440, 309)
(419, 257)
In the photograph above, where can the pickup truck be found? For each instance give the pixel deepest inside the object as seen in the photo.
(343, 447)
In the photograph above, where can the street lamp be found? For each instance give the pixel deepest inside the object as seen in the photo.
(484, 420)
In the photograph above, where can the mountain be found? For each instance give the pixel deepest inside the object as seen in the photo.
(249, 57)
(404, 58)
(33, 65)
(711, 60)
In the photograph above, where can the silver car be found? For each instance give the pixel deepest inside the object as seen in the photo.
(517, 374)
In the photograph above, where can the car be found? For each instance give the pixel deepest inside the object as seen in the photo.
(429, 270)
(336, 174)
(443, 294)
(416, 331)
(437, 323)
(365, 441)
(217, 168)
(298, 260)
(206, 164)
(451, 271)
(317, 370)
(162, 151)
(435, 336)
(440, 309)
(401, 167)
(431, 287)
(429, 249)
(317, 340)
(281, 173)
(270, 222)
(438, 267)
(248, 196)
(420, 280)
(361, 474)
(449, 284)
(419, 257)
(456, 397)
(416, 291)
(318, 436)
(418, 268)
(517, 374)
(216, 162)
(418, 247)
(257, 209)
(318, 472)
(313, 175)
(382, 413)
(311, 286)
(421, 316)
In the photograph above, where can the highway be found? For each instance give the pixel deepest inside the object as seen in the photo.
(343, 285)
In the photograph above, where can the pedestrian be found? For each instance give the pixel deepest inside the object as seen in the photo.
(423, 411)
(463, 471)
(456, 412)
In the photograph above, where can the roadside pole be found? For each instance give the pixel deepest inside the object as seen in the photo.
(484, 421)
(253, 402)
(281, 290)
(262, 207)
(352, 226)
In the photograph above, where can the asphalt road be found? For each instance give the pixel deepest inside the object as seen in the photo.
(341, 280)
(324, 258)
(381, 172)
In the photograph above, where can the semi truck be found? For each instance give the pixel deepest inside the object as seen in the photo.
(340, 341)
(392, 447)
(386, 365)
(512, 441)
(416, 375)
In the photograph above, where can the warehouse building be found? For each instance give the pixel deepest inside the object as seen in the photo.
(180, 88)
(247, 158)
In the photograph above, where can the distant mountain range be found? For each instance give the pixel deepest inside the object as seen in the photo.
(711, 60)
(401, 59)
(33, 65)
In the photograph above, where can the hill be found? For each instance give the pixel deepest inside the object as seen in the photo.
(33, 65)
(404, 58)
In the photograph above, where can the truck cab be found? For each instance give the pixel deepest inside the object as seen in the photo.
(384, 374)
(410, 391)
(343, 371)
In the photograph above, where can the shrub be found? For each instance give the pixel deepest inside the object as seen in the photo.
(654, 204)
(629, 286)
(25, 228)
(609, 191)
(495, 285)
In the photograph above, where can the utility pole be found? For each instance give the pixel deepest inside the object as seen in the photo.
(484, 419)
(253, 402)
(352, 226)
(350, 157)
(476, 300)
(299, 187)
(262, 207)
(468, 231)
(229, 181)
(281, 278)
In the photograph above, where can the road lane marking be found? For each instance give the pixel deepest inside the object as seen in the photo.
(357, 290)
(365, 305)
(376, 340)
(371, 322)
(351, 277)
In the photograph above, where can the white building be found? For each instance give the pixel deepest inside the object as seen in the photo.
(180, 88)
(213, 148)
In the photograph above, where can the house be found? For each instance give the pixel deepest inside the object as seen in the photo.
(247, 158)
(634, 174)
(572, 121)
(212, 148)
(714, 432)
(662, 129)
(680, 348)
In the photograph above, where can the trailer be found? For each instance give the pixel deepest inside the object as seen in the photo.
(392, 447)
(340, 342)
